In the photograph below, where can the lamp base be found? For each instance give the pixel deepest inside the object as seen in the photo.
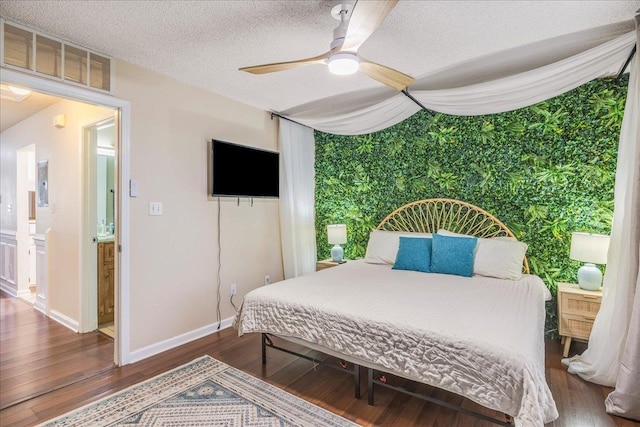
(337, 253)
(589, 277)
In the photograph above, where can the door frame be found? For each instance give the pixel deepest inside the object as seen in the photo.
(122, 354)
(88, 247)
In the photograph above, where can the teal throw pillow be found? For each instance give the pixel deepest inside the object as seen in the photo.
(414, 254)
(453, 255)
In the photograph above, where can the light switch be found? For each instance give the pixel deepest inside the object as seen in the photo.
(133, 188)
(155, 208)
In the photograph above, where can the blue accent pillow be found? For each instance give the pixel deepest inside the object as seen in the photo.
(414, 254)
(453, 255)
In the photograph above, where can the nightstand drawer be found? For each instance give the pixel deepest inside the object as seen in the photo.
(585, 305)
(576, 326)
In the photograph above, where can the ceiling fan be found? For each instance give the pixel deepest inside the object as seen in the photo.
(357, 23)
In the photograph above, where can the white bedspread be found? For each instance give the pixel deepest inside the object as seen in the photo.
(479, 337)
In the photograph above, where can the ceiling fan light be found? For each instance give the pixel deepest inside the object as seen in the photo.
(343, 63)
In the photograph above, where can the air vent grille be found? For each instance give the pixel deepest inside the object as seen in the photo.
(28, 50)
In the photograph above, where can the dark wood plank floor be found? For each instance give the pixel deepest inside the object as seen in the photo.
(38, 355)
(580, 403)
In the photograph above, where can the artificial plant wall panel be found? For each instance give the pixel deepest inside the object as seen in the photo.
(545, 171)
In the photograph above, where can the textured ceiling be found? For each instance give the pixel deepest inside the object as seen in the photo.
(205, 42)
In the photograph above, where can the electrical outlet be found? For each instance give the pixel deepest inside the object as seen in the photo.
(234, 290)
(267, 280)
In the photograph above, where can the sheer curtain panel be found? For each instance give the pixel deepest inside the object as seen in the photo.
(500, 82)
(297, 199)
(625, 399)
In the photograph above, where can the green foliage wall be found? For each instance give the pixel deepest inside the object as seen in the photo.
(545, 171)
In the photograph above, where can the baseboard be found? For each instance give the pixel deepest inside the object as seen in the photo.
(40, 305)
(64, 320)
(153, 349)
(9, 288)
(24, 293)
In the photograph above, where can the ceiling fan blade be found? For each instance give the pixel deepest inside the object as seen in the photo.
(386, 75)
(282, 66)
(365, 18)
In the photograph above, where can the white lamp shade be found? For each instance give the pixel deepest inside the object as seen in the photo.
(587, 247)
(337, 234)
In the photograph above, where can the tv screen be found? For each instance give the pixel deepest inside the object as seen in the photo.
(241, 171)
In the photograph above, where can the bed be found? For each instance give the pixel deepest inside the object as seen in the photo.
(479, 337)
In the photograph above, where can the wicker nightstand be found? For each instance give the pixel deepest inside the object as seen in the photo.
(577, 309)
(327, 263)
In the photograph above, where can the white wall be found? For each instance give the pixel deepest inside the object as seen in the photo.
(174, 256)
(62, 148)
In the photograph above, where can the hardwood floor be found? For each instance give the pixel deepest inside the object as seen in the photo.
(38, 355)
(580, 403)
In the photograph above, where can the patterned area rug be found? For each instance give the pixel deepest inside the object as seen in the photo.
(205, 392)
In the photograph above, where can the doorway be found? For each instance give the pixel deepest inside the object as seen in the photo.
(123, 124)
(100, 145)
(64, 356)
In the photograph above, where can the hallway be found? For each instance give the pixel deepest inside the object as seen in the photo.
(38, 355)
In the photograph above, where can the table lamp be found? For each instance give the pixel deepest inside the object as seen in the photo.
(337, 235)
(591, 249)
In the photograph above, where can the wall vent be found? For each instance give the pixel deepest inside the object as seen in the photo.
(28, 50)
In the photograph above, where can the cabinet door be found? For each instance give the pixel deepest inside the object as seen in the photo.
(105, 283)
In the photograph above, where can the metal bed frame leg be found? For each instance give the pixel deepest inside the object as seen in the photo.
(356, 379)
(370, 386)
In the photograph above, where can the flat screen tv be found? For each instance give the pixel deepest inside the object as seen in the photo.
(242, 171)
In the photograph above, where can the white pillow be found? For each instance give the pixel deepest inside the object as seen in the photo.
(451, 233)
(383, 245)
(500, 257)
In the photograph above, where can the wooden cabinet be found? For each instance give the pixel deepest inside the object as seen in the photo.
(327, 263)
(577, 309)
(106, 260)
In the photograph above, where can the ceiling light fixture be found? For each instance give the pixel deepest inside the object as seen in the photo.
(19, 91)
(343, 63)
(15, 94)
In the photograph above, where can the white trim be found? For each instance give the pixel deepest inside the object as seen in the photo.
(51, 87)
(41, 242)
(64, 320)
(179, 340)
(122, 250)
(9, 277)
(23, 293)
(10, 288)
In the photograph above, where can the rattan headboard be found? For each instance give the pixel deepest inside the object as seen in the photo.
(431, 215)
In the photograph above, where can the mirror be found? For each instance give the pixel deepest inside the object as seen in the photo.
(106, 179)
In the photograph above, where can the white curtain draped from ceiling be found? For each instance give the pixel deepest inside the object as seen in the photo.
(613, 355)
(502, 82)
(625, 399)
(297, 199)
(496, 83)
